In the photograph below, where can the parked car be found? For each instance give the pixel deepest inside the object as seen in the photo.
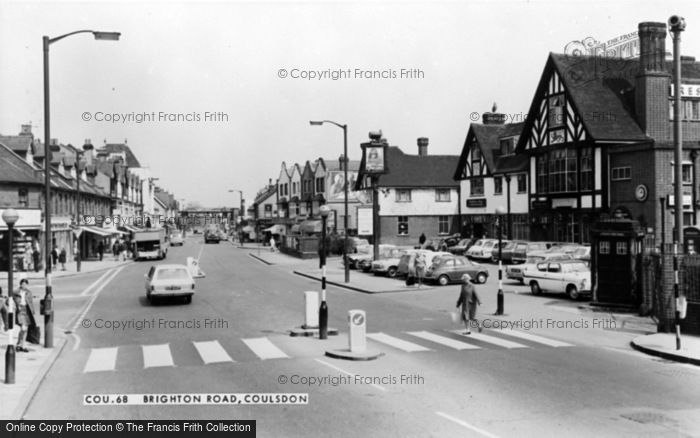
(583, 253)
(355, 244)
(524, 249)
(507, 252)
(408, 258)
(461, 247)
(441, 243)
(567, 276)
(484, 253)
(212, 234)
(494, 250)
(477, 246)
(516, 272)
(389, 264)
(385, 251)
(364, 259)
(169, 281)
(448, 269)
(176, 239)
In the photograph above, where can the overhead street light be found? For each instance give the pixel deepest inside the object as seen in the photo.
(48, 298)
(345, 191)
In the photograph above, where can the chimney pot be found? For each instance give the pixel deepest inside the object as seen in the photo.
(422, 146)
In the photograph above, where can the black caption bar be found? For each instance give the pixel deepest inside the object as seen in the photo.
(127, 428)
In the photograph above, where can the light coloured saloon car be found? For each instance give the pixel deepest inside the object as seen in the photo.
(166, 281)
(568, 276)
(517, 272)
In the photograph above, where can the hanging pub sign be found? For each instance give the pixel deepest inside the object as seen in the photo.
(374, 154)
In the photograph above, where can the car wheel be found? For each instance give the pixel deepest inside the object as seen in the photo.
(391, 272)
(481, 278)
(535, 288)
(188, 299)
(573, 292)
(443, 280)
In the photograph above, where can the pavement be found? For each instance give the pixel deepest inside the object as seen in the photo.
(659, 344)
(86, 267)
(32, 367)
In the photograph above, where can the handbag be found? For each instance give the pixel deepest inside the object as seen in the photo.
(34, 334)
(456, 317)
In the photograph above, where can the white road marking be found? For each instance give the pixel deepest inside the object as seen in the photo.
(93, 285)
(493, 340)
(379, 387)
(535, 338)
(449, 342)
(212, 352)
(264, 349)
(157, 356)
(101, 359)
(467, 425)
(396, 342)
(89, 304)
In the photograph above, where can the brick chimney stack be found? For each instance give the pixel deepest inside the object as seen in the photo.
(422, 146)
(652, 82)
(493, 118)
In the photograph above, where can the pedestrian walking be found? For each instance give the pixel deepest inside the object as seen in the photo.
(122, 250)
(469, 300)
(411, 274)
(100, 249)
(115, 250)
(62, 259)
(24, 313)
(54, 256)
(420, 268)
(273, 245)
(36, 259)
(421, 239)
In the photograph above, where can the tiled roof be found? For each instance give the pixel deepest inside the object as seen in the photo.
(511, 164)
(13, 168)
(418, 171)
(131, 159)
(266, 193)
(17, 143)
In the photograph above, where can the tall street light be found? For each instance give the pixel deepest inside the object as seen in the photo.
(241, 210)
(48, 298)
(10, 216)
(78, 255)
(345, 194)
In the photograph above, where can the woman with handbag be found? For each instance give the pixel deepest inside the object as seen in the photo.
(24, 313)
(468, 299)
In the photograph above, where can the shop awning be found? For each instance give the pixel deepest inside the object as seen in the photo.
(130, 228)
(99, 231)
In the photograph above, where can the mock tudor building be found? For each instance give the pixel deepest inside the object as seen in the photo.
(491, 175)
(599, 140)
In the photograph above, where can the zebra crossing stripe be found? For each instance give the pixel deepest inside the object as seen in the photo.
(212, 352)
(494, 340)
(396, 342)
(264, 349)
(157, 356)
(535, 338)
(101, 359)
(448, 342)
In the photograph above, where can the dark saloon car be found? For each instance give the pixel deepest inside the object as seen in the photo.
(448, 269)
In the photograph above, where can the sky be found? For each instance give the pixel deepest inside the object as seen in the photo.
(214, 96)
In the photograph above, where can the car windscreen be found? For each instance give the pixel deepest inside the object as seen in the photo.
(172, 274)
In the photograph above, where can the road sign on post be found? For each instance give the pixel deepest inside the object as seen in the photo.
(357, 331)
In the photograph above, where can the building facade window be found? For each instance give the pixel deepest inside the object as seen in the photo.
(587, 169)
(443, 224)
(23, 197)
(542, 174)
(442, 195)
(690, 109)
(403, 195)
(476, 187)
(522, 183)
(402, 225)
(320, 185)
(620, 173)
(507, 146)
(498, 185)
(687, 174)
(562, 170)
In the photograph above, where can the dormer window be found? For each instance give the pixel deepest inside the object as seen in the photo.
(507, 146)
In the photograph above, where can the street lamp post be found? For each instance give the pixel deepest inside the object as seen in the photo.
(78, 255)
(499, 221)
(48, 298)
(233, 219)
(345, 191)
(323, 310)
(10, 216)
